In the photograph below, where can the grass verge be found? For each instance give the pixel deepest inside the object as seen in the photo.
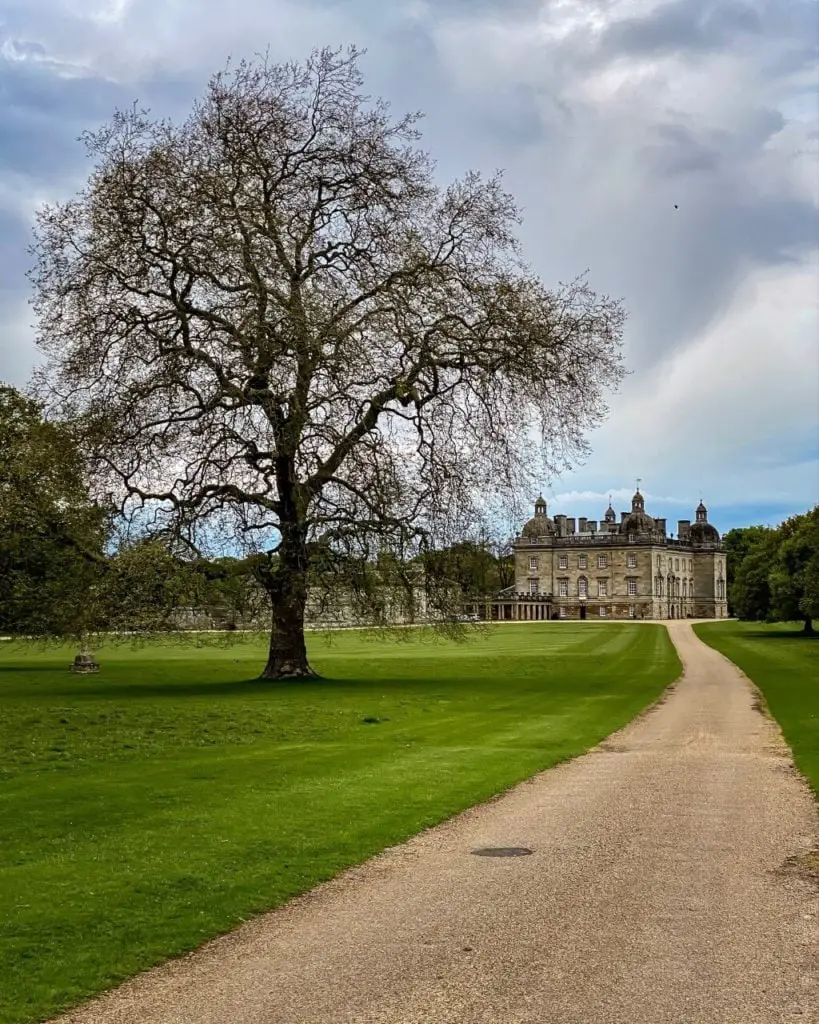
(784, 664)
(161, 802)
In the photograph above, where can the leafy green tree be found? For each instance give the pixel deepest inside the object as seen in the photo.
(750, 591)
(275, 323)
(794, 577)
(144, 586)
(62, 576)
(504, 555)
(738, 543)
(471, 567)
(52, 536)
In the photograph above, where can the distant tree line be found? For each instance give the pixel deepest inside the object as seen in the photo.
(773, 573)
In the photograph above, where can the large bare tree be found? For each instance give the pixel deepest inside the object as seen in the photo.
(273, 320)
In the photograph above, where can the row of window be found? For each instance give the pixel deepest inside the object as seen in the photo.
(582, 562)
(602, 611)
(602, 562)
(675, 588)
(676, 564)
(583, 587)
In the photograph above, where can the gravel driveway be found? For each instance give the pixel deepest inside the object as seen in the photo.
(664, 886)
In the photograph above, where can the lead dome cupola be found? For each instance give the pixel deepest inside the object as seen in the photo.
(540, 524)
(638, 521)
(701, 531)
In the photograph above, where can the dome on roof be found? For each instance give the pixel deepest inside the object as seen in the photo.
(703, 533)
(540, 525)
(638, 522)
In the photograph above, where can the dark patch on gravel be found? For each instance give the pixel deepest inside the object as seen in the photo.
(802, 865)
(503, 851)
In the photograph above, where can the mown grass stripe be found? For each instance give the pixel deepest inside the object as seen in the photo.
(157, 804)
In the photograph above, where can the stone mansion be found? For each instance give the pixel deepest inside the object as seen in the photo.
(630, 569)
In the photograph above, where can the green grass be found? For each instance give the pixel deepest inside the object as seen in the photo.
(784, 664)
(166, 799)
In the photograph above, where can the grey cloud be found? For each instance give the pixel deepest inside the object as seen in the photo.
(473, 9)
(692, 25)
(16, 349)
(17, 353)
(23, 49)
(777, 231)
(678, 151)
(14, 238)
(42, 115)
(515, 117)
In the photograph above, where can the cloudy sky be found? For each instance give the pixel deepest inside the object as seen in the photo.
(667, 146)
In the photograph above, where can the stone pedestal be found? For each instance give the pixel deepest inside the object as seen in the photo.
(85, 663)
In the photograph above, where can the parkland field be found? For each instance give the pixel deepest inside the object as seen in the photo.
(784, 664)
(165, 800)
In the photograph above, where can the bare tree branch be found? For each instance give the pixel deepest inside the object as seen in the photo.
(280, 329)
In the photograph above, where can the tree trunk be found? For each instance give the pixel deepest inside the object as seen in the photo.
(808, 628)
(287, 588)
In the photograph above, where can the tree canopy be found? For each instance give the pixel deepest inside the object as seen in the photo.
(52, 535)
(277, 327)
(64, 572)
(774, 573)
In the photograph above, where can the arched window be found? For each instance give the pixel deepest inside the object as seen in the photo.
(685, 588)
(583, 587)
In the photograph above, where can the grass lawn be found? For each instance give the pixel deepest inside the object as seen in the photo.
(150, 807)
(784, 664)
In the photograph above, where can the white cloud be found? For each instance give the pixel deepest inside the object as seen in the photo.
(734, 411)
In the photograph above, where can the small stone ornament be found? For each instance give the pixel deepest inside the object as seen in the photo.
(84, 663)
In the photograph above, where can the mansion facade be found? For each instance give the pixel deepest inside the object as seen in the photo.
(627, 570)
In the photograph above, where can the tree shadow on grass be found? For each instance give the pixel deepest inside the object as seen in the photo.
(60, 684)
(782, 634)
